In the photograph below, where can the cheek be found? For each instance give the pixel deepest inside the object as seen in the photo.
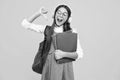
(56, 15)
(65, 18)
(55, 18)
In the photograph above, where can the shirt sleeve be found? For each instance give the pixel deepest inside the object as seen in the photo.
(79, 49)
(34, 27)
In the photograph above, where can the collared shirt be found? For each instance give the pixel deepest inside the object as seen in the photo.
(40, 28)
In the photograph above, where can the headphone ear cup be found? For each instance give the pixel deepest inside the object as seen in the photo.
(70, 19)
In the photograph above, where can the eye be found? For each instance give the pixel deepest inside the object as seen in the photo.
(65, 14)
(58, 12)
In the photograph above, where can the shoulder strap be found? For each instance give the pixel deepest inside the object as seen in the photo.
(48, 31)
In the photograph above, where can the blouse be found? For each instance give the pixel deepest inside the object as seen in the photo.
(40, 28)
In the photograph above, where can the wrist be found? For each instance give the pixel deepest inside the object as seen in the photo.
(33, 17)
(37, 14)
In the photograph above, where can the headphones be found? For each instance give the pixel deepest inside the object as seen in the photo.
(70, 19)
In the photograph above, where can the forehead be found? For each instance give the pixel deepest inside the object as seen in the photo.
(62, 9)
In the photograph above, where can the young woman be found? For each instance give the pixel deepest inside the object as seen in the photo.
(51, 69)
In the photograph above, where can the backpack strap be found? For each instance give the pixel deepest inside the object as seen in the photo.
(48, 31)
(47, 38)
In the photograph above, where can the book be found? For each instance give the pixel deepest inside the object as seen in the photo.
(66, 41)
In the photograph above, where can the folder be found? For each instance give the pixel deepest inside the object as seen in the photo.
(66, 41)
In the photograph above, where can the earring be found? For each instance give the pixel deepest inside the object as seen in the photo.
(70, 19)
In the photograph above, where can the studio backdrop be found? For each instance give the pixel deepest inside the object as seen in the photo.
(98, 25)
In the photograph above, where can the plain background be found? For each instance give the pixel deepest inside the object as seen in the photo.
(97, 22)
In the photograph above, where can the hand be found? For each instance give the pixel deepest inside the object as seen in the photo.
(42, 10)
(59, 54)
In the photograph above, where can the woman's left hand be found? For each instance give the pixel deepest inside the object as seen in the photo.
(59, 54)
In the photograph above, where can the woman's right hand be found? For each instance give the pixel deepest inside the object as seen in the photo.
(43, 11)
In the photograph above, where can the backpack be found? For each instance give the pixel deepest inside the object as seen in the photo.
(43, 50)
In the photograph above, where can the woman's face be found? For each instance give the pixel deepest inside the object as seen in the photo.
(61, 16)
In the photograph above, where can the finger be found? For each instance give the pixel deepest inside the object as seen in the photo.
(44, 11)
(41, 8)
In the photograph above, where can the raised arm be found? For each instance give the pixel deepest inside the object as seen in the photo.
(28, 23)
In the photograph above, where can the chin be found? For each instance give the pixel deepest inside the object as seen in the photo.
(59, 24)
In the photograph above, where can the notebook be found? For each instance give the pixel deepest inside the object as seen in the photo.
(66, 41)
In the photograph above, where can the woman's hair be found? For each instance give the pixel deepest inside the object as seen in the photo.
(66, 25)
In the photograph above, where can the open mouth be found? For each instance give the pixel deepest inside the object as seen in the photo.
(59, 19)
